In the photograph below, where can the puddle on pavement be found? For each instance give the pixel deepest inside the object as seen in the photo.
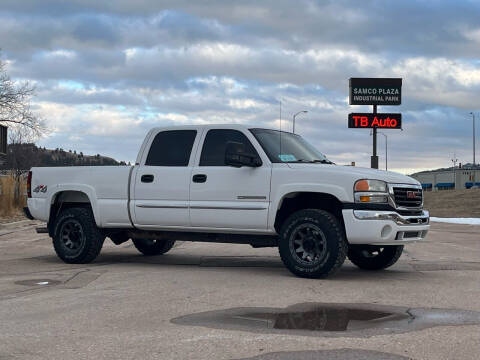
(319, 319)
(339, 354)
(38, 282)
(323, 318)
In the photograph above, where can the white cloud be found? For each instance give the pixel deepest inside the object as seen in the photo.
(60, 53)
(105, 72)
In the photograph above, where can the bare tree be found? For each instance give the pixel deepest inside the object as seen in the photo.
(24, 126)
(15, 108)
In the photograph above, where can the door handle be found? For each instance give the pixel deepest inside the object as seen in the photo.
(199, 178)
(147, 178)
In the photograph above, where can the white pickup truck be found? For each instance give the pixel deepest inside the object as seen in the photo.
(232, 184)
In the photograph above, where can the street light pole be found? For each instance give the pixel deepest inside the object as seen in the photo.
(454, 161)
(294, 116)
(386, 150)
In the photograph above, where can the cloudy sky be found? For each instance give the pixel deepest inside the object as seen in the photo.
(107, 71)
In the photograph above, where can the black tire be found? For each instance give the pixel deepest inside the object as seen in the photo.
(323, 238)
(150, 247)
(77, 239)
(369, 257)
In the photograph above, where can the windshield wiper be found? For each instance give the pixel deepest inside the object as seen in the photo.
(323, 161)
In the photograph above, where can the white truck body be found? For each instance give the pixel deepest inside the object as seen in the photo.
(235, 200)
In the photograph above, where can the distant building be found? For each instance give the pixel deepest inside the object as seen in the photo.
(462, 177)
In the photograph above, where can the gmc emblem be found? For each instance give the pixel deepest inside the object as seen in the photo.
(411, 195)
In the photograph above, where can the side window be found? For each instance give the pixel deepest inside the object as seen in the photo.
(213, 151)
(171, 148)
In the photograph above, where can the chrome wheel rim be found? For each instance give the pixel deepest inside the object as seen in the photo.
(308, 244)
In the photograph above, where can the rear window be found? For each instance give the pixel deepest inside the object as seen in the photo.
(171, 148)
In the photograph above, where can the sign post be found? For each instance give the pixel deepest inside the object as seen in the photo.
(375, 91)
(374, 158)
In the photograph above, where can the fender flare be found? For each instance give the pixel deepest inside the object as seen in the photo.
(334, 190)
(89, 191)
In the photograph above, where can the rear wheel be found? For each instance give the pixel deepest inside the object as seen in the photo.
(312, 243)
(152, 247)
(76, 239)
(371, 257)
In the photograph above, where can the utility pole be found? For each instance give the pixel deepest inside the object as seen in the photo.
(473, 124)
(294, 116)
(280, 126)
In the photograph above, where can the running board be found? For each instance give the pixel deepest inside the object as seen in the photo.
(253, 240)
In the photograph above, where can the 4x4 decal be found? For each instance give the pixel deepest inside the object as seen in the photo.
(40, 188)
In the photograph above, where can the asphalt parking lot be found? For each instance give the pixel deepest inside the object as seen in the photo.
(122, 305)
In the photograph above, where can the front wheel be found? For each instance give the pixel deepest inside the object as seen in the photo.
(152, 247)
(312, 243)
(371, 257)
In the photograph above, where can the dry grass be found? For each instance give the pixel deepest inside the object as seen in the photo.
(453, 203)
(8, 205)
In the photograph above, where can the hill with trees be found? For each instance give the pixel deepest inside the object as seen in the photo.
(23, 156)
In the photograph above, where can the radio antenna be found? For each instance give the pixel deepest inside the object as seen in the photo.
(280, 129)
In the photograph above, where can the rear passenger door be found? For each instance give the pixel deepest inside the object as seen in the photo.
(162, 180)
(223, 196)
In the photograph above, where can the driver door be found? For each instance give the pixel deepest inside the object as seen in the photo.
(227, 197)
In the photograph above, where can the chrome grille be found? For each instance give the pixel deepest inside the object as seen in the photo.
(408, 197)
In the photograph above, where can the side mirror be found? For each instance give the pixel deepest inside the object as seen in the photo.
(236, 156)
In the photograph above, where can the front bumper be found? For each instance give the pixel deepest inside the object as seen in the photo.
(384, 227)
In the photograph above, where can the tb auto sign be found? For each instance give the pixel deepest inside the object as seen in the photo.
(377, 120)
(375, 91)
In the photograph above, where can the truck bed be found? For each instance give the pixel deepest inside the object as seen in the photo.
(105, 186)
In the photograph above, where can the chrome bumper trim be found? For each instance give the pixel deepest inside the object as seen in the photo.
(423, 219)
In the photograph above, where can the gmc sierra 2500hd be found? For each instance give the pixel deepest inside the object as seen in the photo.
(232, 184)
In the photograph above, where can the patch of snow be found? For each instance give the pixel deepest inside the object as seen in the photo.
(464, 221)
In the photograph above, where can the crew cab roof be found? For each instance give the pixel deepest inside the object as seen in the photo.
(155, 130)
(204, 126)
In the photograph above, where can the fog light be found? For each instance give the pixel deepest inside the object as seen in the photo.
(386, 231)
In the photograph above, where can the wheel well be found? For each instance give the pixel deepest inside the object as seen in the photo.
(307, 200)
(64, 200)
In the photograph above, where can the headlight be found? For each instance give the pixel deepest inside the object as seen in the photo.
(371, 185)
(371, 191)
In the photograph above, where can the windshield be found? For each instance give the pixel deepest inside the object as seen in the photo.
(287, 147)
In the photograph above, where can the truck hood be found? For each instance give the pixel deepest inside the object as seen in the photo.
(356, 173)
